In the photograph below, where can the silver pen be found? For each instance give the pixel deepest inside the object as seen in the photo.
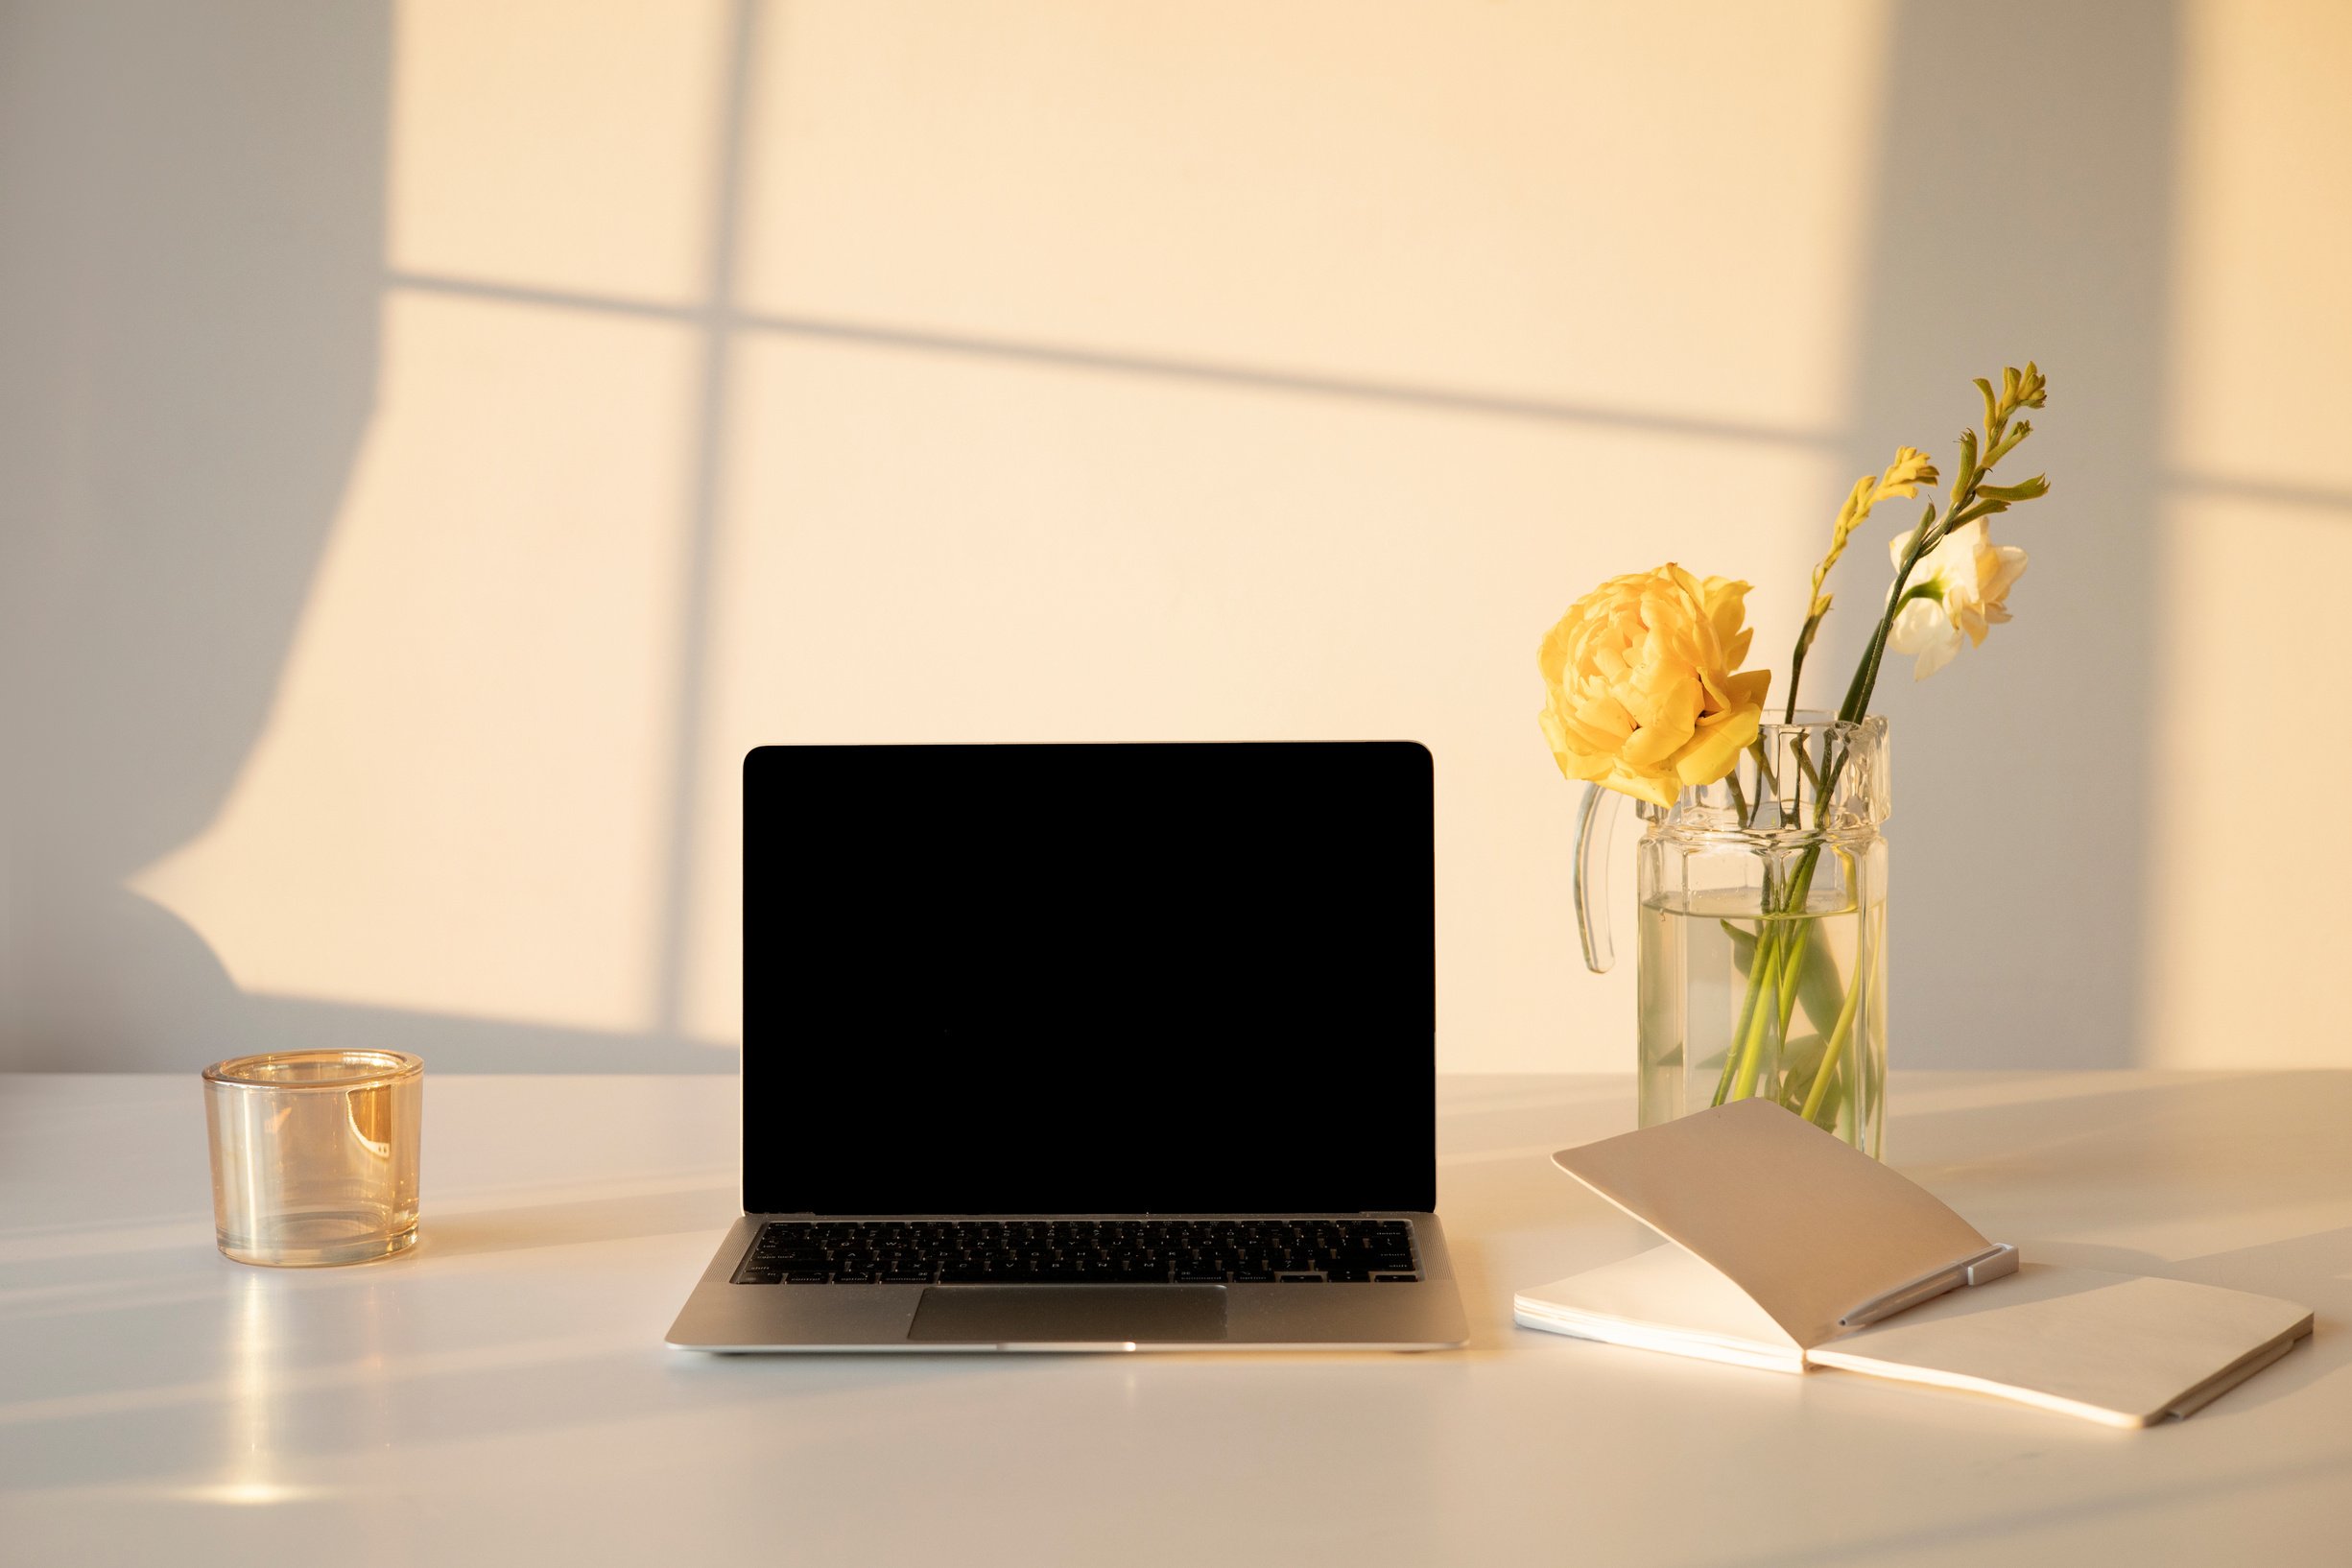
(2001, 1258)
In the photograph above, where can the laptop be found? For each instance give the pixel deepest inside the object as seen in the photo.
(1085, 1048)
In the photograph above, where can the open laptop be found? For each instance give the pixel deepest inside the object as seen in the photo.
(1085, 1048)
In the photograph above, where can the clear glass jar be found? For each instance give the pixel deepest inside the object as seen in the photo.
(314, 1154)
(1763, 937)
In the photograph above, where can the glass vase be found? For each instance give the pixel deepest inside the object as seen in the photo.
(1763, 930)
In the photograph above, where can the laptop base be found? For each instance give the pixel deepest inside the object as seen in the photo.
(930, 1318)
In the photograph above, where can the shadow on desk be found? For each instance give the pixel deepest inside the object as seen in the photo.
(1956, 1536)
(573, 1224)
(2206, 1138)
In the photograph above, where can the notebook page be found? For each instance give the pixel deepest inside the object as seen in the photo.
(1662, 1300)
(1809, 1226)
(2108, 1347)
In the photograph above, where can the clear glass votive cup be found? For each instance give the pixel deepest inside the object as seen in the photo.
(314, 1155)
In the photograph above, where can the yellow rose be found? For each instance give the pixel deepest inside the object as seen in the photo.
(1642, 694)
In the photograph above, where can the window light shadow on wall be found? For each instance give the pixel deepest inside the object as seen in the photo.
(729, 373)
(475, 795)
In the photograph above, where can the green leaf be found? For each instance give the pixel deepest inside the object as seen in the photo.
(1982, 509)
(2032, 490)
(1743, 948)
(1818, 989)
(1801, 1062)
(1833, 1102)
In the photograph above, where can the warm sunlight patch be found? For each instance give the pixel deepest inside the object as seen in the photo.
(2245, 909)
(2265, 319)
(1649, 209)
(928, 548)
(461, 802)
(557, 144)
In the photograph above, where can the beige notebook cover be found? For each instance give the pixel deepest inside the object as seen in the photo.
(1791, 1250)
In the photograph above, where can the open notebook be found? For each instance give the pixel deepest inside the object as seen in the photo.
(1788, 1249)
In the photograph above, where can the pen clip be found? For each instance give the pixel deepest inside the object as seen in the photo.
(1996, 1260)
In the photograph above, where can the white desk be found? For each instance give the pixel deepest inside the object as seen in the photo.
(502, 1394)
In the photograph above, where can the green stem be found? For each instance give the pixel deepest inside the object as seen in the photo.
(1813, 775)
(1796, 665)
(1836, 1045)
(1800, 932)
(1865, 674)
(1780, 949)
(1769, 779)
(1767, 938)
(1751, 1046)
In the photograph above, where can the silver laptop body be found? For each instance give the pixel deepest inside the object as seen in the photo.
(723, 1315)
(1085, 1048)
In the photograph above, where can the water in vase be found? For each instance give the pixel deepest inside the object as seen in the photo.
(1805, 1025)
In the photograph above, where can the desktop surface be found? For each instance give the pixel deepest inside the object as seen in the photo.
(503, 1390)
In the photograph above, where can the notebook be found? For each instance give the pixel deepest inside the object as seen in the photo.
(1789, 1250)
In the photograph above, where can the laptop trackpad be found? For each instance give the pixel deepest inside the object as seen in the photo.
(1070, 1313)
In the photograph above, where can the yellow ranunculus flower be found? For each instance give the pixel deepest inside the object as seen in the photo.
(1642, 694)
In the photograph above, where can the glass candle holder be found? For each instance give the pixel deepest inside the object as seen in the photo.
(314, 1155)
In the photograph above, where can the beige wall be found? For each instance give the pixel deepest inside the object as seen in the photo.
(438, 439)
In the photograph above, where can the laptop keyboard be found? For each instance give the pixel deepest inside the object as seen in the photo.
(1079, 1252)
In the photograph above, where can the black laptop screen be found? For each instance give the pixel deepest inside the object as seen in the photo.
(1069, 978)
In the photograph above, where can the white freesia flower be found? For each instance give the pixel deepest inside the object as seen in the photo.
(1958, 591)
